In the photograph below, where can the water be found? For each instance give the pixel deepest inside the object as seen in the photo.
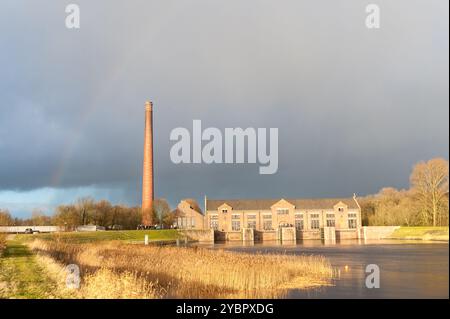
(408, 269)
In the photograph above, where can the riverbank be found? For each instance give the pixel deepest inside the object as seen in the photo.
(421, 233)
(36, 268)
(21, 276)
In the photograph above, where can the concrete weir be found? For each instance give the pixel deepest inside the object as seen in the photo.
(248, 234)
(328, 234)
(287, 234)
(290, 234)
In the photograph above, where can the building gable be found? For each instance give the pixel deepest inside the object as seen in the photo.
(224, 207)
(340, 206)
(282, 203)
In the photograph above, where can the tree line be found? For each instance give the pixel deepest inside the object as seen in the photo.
(425, 203)
(87, 211)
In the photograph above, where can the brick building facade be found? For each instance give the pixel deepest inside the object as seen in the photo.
(308, 216)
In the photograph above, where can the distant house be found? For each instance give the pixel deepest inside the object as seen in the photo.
(23, 229)
(90, 228)
(308, 216)
(188, 215)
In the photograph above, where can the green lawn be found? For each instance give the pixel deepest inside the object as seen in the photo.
(425, 233)
(123, 235)
(21, 276)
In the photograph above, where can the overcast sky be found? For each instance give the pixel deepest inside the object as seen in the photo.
(356, 108)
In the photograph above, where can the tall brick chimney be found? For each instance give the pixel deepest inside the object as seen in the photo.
(147, 171)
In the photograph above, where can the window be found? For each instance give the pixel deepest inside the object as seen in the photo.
(352, 223)
(341, 209)
(283, 211)
(193, 222)
(330, 220)
(214, 222)
(299, 224)
(224, 210)
(251, 224)
(182, 222)
(251, 221)
(235, 216)
(267, 224)
(352, 220)
(315, 223)
(235, 225)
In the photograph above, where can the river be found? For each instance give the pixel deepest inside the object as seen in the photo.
(408, 269)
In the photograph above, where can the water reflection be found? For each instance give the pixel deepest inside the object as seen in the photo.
(408, 269)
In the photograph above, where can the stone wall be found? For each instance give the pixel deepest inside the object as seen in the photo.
(345, 234)
(377, 232)
(199, 235)
(234, 236)
(266, 235)
(308, 234)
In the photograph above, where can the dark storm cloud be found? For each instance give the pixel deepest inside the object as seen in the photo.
(355, 108)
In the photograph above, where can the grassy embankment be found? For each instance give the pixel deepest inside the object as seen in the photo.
(21, 276)
(421, 233)
(110, 269)
(129, 236)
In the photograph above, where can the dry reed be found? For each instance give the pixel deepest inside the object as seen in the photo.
(151, 272)
(2, 242)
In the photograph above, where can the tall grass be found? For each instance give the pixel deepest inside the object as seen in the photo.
(186, 272)
(2, 242)
(100, 284)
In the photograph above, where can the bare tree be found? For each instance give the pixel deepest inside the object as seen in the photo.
(38, 218)
(5, 218)
(85, 208)
(161, 210)
(429, 182)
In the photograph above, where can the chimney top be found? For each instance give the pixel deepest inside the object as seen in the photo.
(148, 104)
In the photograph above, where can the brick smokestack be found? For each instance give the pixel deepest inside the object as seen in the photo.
(147, 171)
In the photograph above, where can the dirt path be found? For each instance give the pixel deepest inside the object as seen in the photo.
(21, 276)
